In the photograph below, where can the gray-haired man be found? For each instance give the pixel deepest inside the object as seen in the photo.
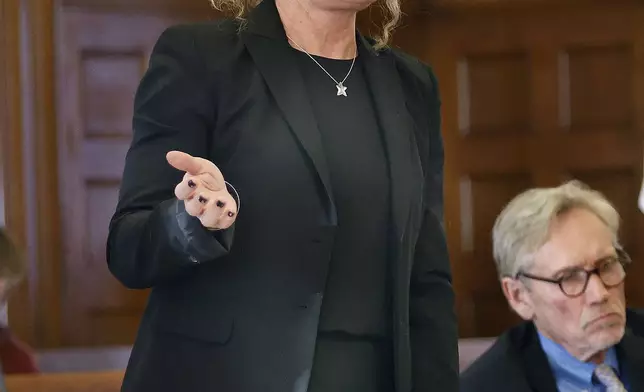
(562, 270)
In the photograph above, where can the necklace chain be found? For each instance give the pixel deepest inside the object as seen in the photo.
(342, 90)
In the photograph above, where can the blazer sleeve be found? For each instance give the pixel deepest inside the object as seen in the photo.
(433, 323)
(151, 237)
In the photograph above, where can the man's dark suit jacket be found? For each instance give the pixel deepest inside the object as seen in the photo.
(237, 310)
(516, 362)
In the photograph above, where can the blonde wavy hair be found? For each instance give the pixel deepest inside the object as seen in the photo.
(391, 8)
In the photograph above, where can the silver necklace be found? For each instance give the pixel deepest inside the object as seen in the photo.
(342, 89)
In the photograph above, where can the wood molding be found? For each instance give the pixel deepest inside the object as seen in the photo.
(21, 303)
(430, 5)
(200, 7)
(45, 223)
(29, 162)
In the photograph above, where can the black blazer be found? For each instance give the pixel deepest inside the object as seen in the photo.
(517, 363)
(238, 310)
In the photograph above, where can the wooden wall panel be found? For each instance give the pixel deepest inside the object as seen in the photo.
(37, 151)
(532, 97)
(534, 92)
(101, 59)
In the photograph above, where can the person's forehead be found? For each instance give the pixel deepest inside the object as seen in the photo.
(577, 238)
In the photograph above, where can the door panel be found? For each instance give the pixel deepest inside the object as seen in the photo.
(101, 58)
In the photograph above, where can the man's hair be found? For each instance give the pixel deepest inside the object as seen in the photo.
(523, 226)
(13, 265)
(391, 8)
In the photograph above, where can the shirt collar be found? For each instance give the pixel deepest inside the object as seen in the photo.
(565, 365)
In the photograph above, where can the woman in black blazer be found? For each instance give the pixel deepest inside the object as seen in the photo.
(320, 264)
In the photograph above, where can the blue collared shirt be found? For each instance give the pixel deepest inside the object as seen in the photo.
(573, 375)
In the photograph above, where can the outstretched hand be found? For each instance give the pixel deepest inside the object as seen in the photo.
(203, 190)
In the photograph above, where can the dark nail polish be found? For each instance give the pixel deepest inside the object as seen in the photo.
(220, 204)
(191, 184)
(202, 199)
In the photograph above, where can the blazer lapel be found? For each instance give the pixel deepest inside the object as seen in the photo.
(268, 46)
(535, 362)
(397, 127)
(630, 352)
(405, 173)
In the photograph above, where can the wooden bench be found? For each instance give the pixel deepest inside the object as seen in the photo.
(101, 369)
(66, 382)
(74, 360)
(115, 358)
(470, 349)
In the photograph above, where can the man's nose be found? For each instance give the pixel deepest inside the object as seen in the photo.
(596, 290)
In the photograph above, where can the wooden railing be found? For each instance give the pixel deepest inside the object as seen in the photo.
(66, 382)
(101, 369)
(75, 360)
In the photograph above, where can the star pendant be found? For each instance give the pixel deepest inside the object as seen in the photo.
(341, 89)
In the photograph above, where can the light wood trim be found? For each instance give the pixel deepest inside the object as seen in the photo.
(158, 7)
(428, 5)
(12, 154)
(46, 222)
(30, 162)
(66, 382)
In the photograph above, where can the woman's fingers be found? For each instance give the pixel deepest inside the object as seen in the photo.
(203, 191)
(220, 212)
(186, 188)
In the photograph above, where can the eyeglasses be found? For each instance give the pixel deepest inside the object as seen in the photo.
(574, 282)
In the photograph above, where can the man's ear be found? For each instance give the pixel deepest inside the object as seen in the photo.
(518, 297)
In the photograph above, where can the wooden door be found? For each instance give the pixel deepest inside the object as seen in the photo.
(101, 57)
(533, 96)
